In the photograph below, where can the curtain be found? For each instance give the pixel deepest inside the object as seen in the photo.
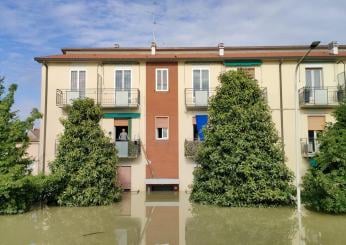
(81, 84)
(118, 80)
(164, 80)
(127, 79)
(74, 80)
(205, 79)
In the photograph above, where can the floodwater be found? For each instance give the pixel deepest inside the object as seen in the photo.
(169, 218)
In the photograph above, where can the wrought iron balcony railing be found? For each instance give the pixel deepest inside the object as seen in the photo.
(309, 147)
(198, 98)
(107, 97)
(128, 148)
(320, 96)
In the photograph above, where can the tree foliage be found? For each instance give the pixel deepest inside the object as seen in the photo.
(324, 187)
(241, 160)
(86, 161)
(16, 190)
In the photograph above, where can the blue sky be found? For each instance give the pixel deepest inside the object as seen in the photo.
(30, 28)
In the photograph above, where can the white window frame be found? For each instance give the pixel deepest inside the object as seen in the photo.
(78, 69)
(316, 67)
(122, 69)
(156, 87)
(200, 69)
(156, 133)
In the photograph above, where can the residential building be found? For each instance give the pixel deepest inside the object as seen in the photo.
(33, 149)
(159, 96)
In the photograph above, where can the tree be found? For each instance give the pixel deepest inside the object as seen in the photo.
(16, 190)
(324, 187)
(86, 161)
(241, 160)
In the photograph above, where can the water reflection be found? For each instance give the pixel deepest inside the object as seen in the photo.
(169, 218)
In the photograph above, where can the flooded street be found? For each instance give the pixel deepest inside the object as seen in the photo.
(169, 218)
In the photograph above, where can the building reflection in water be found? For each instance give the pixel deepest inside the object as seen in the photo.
(169, 218)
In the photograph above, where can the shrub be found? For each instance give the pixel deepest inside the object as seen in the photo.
(86, 161)
(16, 194)
(241, 162)
(324, 187)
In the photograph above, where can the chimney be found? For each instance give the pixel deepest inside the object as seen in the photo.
(221, 49)
(333, 48)
(153, 48)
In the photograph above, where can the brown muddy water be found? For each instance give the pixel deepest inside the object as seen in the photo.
(169, 218)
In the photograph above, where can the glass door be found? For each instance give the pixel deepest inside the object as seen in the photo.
(123, 87)
(200, 86)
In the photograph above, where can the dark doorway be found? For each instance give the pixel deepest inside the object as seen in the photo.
(119, 129)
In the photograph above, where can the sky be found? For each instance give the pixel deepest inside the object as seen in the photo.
(30, 28)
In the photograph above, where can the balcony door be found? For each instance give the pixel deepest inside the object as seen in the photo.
(78, 78)
(200, 86)
(123, 87)
(315, 92)
(313, 77)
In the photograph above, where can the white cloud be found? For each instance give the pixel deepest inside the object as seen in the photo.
(38, 27)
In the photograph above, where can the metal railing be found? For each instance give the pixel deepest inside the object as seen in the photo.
(320, 96)
(198, 98)
(128, 148)
(191, 147)
(107, 97)
(309, 147)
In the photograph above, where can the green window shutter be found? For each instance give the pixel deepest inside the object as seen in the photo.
(242, 63)
(124, 115)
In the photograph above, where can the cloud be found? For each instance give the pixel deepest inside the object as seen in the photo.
(38, 27)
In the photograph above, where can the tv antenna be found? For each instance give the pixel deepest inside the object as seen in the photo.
(154, 21)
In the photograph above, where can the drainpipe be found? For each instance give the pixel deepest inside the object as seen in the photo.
(281, 110)
(341, 61)
(45, 121)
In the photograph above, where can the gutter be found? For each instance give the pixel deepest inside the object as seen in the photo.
(45, 121)
(281, 110)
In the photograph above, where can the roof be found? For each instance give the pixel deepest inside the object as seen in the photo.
(34, 135)
(191, 53)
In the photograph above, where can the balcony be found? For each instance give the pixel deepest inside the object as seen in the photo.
(309, 147)
(197, 99)
(325, 97)
(191, 147)
(128, 148)
(107, 97)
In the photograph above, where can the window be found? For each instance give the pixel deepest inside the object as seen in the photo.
(313, 143)
(316, 125)
(161, 128)
(78, 78)
(200, 79)
(194, 129)
(249, 71)
(122, 79)
(162, 79)
(313, 77)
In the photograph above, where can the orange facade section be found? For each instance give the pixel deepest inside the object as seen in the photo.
(162, 153)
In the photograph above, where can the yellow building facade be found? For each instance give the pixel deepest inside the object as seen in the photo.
(154, 94)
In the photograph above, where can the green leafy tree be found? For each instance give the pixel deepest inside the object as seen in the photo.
(86, 161)
(324, 187)
(241, 160)
(16, 190)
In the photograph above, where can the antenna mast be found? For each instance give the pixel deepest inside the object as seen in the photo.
(154, 21)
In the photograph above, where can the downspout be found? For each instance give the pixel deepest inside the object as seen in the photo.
(341, 61)
(45, 121)
(281, 110)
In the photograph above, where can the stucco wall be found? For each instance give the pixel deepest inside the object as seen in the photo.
(267, 75)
